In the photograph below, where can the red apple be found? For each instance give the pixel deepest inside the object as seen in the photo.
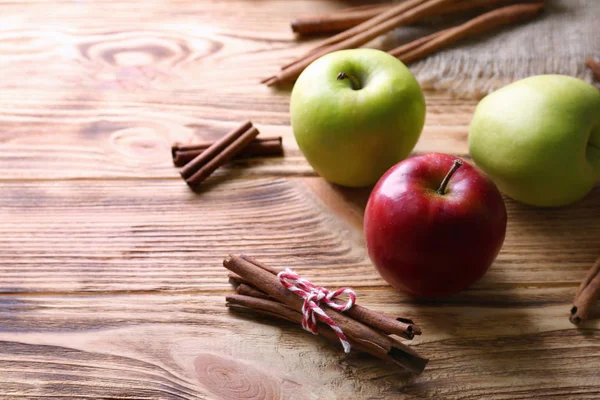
(434, 224)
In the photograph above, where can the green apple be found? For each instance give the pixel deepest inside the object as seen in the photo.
(539, 139)
(355, 113)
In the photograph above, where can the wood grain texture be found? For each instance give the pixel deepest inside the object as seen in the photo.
(189, 346)
(111, 283)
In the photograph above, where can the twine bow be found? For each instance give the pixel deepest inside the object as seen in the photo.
(313, 297)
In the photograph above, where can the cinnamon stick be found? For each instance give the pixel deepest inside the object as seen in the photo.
(397, 10)
(402, 14)
(458, 7)
(247, 290)
(216, 148)
(587, 294)
(278, 310)
(415, 44)
(259, 264)
(218, 160)
(342, 20)
(594, 66)
(403, 327)
(365, 7)
(259, 147)
(373, 342)
(483, 23)
(351, 17)
(237, 280)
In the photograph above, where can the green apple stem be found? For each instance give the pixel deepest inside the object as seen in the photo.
(353, 81)
(455, 167)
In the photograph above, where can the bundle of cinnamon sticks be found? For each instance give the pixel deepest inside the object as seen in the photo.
(259, 289)
(365, 24)
(199, 161)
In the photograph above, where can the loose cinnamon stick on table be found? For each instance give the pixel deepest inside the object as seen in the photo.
(457, 7)
(594, 66)
(587, 294)
(259, 147)
(341, 20)
(373, 342)
(402, 14)
(214, 150)
(397, 10)
(200, 168)
(350, 17)
(402, 327)
(486, 22)
(415, 44)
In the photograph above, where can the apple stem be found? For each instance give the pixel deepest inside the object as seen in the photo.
(455, 167)
(353, 81)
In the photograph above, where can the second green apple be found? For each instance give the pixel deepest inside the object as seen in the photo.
(539, 139)
(355, 113)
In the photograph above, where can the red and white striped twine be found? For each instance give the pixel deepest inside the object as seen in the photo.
(313, 296)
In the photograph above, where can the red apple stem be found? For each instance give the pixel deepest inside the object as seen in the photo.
(457, 164)
(353, 81)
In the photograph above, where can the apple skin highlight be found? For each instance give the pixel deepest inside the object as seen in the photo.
(431, 244)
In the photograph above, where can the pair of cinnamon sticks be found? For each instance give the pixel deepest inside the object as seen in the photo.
(259, 289)
(587, 295)
(408, 12)
(199, 161)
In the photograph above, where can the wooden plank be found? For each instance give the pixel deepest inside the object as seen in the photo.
(117, 90)
(48, 139)
(157, 235)
(110, 276)
(190, 346)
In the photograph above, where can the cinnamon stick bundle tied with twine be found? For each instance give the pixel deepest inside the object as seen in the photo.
(365, 330)
(408, 12)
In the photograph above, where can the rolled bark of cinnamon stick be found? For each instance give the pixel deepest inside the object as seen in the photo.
(396, 11)
(402, 327)
(587, 294)
(594, 66)
(483, 23)
(340, 21)
(415, 44)
(259, 147)
(349, 18)
(402, 14)
(236, 280)
(214, 150)
(247, 290)
(259, 264)
(218, 160)
(278, 310)
(374, 342)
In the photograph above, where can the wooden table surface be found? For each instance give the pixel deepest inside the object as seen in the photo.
(111, 284)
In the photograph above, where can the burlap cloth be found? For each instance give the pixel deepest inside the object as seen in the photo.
(557, 42)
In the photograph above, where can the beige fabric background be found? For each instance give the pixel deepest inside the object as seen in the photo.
(557, 42)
